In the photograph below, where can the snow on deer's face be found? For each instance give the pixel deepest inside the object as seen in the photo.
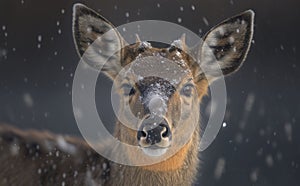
(162, 87)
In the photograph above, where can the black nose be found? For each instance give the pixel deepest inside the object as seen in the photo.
(152, 132)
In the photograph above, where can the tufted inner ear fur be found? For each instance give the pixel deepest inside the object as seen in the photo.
(225, 46)
(97, 40)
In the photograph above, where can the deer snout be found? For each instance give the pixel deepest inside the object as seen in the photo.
(155, 134)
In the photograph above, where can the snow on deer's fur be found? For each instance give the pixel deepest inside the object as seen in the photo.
(41, 158)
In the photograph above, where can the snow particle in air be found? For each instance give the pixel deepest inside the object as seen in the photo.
(39, 38)
(3, 53)
(269, 160)
(254, 175)
(14, 149)
(220, 168)
(288, 131)
(28, 100)
(104, 166)
(65, 146)
(205, 21)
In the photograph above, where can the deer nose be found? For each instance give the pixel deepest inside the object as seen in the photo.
(153, 133)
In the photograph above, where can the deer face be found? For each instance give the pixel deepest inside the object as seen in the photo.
(161, 99)
(162, 87)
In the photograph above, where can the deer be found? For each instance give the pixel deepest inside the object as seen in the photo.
(30, 157)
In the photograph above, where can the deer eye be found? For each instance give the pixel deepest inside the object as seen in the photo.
(187, 90)
(128, 90)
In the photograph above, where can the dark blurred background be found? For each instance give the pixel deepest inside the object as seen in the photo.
(258, 146)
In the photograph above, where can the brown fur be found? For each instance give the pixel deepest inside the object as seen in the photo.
(36, 158)
(180, 169)
(31, 149)
(42, 158)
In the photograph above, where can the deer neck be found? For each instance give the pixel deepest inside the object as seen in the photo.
(178, 169)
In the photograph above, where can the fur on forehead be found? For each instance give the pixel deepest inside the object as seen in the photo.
(140, 63)
(172, 53)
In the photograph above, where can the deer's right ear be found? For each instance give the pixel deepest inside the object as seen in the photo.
(96, 40)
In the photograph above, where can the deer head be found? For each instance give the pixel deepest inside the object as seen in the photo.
(161, 103)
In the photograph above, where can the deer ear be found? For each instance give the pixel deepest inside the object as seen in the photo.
(225, 46)
(96, 40)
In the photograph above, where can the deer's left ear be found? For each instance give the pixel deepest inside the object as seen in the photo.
(225, 47)
(97, 40)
